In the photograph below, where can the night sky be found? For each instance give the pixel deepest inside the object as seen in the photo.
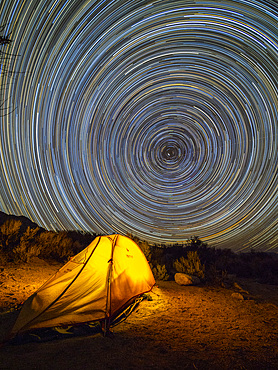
(157, 118)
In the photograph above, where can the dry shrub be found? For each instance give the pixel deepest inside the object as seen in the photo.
(55, 245)
(190, 265)
(214, 276)
(10, 232)
(26, 249)
(159, 272)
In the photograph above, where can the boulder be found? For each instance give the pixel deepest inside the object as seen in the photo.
(184, 279)
(238, 296)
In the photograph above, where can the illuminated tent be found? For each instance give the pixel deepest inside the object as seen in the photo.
(96, 284)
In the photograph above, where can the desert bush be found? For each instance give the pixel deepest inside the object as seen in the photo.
(26, 249)
(65, 248)
(77, 247)
(159, 272)
(190, 265)
(23, 252)
(55, 245)
(9, 233)
(214, 276)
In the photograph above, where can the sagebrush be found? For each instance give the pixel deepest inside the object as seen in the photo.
(190, 265)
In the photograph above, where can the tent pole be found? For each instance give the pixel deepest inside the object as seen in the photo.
(108, 299)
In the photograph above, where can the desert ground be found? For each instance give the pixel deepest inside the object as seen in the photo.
(183, 327)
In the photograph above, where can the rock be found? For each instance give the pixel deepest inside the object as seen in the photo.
(184, 279)
(238, 296)
(239, 288)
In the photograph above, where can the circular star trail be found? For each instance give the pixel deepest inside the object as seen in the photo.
(157, 118)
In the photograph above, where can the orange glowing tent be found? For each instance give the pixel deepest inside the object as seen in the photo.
(96, 284)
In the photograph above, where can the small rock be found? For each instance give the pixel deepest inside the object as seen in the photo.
(184, 279)
(238, 296)
(239, 288)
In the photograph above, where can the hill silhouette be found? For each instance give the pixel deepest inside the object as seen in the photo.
(25, 221)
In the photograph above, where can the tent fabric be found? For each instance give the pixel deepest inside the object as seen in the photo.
(96, 284)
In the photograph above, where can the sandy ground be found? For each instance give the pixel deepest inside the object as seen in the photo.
(181, 328)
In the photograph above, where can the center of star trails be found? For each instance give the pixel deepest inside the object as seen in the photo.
(170, 153)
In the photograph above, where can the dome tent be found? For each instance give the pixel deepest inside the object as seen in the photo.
(95, 285)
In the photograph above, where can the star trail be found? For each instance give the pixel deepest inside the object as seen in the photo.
(156, 118)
